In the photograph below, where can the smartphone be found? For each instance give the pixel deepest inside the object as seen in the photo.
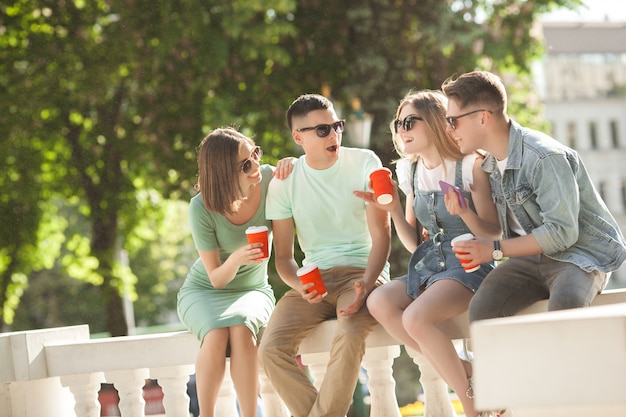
(445, 187)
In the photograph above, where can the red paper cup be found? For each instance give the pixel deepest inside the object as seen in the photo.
(311, 273)
(258, 234)
(381, 183)
(466, 236)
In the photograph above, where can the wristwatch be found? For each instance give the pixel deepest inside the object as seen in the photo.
(497, 252)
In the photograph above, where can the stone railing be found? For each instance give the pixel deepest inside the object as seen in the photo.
(58, 372)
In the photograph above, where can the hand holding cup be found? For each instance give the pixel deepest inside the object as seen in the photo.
(464, 237)
(311, 273)
(382, 185)
(259, 234)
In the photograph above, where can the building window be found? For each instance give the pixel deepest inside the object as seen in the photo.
(615, 135)
(571, 135)
(593, 135)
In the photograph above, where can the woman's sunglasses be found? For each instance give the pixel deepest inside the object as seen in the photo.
(256, 154)
(324, 130)
(407, 124)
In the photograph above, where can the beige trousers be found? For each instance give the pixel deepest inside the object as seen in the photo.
(292, 321)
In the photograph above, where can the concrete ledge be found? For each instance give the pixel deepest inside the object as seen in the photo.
(574, 359)
(22, 353)
(320, 339)
(456, 328)
(121, 353)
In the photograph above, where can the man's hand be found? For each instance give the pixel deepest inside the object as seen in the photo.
(312, 297)
(359, 299)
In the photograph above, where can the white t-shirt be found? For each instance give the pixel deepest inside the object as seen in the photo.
(428, 179)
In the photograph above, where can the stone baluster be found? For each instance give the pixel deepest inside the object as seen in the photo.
(378, 362)
(271, 403)
(436, 397)
(129, 385)
(85, 390)
(226, 398)
(173, 381)
(316, 363)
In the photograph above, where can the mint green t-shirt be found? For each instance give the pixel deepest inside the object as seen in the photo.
(213, 231)
(330, 220)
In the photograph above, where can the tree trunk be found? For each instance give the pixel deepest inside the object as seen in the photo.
(103, 245)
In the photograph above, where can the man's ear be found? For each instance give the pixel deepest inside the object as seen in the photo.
(485, 117)
(296, 137)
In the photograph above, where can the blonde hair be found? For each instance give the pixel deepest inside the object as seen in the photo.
(218, 170)
(431, 107)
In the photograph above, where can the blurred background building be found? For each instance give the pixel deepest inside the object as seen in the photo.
(582, 85)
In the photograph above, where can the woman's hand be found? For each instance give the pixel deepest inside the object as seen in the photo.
(369, 197)
(284, 167)
(248, 254)
(452, 203)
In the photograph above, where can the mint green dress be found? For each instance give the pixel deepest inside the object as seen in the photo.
(248, 299)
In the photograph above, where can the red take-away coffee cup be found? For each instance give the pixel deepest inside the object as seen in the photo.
(258, 234)
(381, 183)
(466, 236)
(311, 273)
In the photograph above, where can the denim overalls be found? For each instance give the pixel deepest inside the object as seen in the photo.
(434, 259)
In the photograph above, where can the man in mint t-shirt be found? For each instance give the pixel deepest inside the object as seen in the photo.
(347, 239)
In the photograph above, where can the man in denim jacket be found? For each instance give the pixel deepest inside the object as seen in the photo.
(559, 236)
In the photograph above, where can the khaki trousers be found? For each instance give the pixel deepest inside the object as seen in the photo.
(292, 321)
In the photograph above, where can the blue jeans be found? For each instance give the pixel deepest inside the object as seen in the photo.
(519, 282)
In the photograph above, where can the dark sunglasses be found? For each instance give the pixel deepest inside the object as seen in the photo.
(452, 119)
(324, 130)
(256, 154)
(407, 124)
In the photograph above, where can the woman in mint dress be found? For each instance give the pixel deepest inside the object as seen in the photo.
(226, 298)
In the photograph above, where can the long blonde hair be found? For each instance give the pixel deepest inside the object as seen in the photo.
(431, 106)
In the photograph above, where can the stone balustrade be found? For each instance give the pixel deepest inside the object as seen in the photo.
(58, 372)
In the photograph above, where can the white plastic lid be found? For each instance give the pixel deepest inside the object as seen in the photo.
(465, 236)
(256, 229)
(306, 269)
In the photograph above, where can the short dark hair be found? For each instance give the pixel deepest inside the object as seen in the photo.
(305, 104)
(477, 87)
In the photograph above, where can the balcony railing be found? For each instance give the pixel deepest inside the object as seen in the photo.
(58, 372)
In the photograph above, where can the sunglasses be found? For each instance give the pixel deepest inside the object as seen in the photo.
(452, 119)
(406, 124)
(324, 130)
(256, 154)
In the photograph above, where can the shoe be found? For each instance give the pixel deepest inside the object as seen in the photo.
(469, 393)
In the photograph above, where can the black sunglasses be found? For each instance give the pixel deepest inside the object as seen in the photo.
(407, 124)
(324, 130)
(256, 154)
(452, 119)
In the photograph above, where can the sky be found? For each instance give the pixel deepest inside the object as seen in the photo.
(593, 11)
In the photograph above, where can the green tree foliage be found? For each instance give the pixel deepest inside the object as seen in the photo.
(104, 101)
(117, 89)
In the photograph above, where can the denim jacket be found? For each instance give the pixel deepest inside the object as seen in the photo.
(551, 194)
